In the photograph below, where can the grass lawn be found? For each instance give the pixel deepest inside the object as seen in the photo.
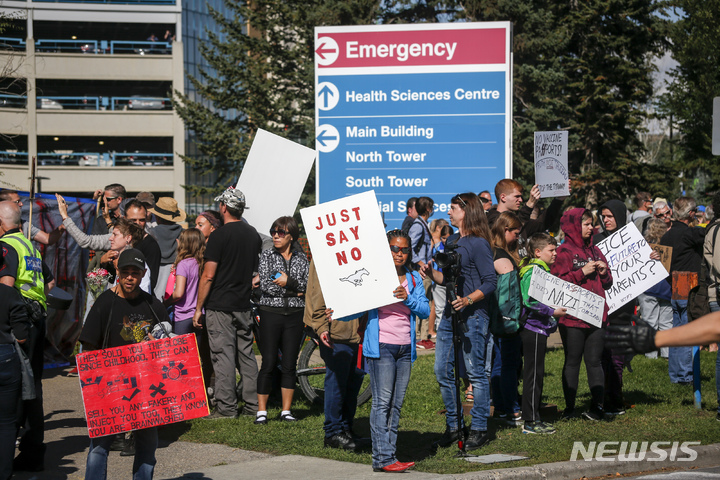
(662, 412)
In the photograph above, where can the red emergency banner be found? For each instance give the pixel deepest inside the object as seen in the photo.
(142, 385)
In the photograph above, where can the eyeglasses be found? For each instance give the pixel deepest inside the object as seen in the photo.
(483, 200)
(662, 215)
(396, 249)
(279, 231)
(107, 199)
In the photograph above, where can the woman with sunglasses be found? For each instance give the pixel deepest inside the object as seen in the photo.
(476, 280)
(283, 272)
(389, 346)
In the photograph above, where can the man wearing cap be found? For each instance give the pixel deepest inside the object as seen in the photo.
(148, 199)
(231, 260)
(122, 316)
(168, 216)
(23, 269)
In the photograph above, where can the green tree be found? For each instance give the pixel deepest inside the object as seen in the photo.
(584, 67)
(695, 82)
(261, 75)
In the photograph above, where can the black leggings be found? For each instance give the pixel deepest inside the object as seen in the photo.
(579, 343)
(279, 332)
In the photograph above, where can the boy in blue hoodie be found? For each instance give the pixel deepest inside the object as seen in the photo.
(541, 322)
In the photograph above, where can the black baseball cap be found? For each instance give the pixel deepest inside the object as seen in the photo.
(131, 257)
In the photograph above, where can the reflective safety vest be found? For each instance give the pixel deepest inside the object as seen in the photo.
(29, 279)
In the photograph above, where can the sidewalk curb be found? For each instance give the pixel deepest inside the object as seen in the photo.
(708, 455)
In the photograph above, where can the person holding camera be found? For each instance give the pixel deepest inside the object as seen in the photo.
(283, 274)
(470, 261)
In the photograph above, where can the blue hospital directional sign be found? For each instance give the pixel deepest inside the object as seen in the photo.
(412, 110)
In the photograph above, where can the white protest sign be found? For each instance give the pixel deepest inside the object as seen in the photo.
(554, 292)
(273, 178)
(551, 163)
(633, 272)
(351, 254)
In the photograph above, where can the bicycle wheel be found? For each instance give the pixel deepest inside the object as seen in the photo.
(311, 376)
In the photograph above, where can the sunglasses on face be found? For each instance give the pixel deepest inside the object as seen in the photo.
(279, 231)
(107, 199)
(396, 249)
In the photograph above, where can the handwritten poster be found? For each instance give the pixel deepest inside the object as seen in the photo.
(665, 254)
(351, 253)
(273, 178)
(554, 292)
(633, 272)
(551, 163)
(142, 385)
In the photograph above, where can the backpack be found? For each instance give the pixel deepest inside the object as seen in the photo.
(505, 306)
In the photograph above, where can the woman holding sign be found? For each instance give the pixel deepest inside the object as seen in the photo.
(582, 263)
(389, 346)
(476, 279)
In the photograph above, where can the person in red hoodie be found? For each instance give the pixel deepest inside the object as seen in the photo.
(583, 264)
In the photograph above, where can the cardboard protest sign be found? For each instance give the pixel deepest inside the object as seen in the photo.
(142, 385)
(633, 272)
(351, 254)
(551, 163)
(665, 254)
(554, 292)
(273, 178)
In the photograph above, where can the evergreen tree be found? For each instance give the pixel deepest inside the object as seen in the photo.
(261, 75)
(695, 82)
(584, 67)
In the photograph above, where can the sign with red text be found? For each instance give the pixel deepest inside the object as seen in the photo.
(142, 385)
(412, 110)
(273, 178)
(351, 254)
(633, 271)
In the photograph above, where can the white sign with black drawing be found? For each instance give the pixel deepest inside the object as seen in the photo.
(551, 163)
(555, 292)
(351, 254)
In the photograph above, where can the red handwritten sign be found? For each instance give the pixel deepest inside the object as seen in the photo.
(142, 385)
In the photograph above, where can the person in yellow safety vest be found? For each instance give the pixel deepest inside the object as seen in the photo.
(22, 268)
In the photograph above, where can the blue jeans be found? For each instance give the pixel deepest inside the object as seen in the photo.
(504, 378)
(146, 441)
(342, 384)
(714, 307)
(10, 385)
(389, 378)
(474, 344)
(680, 360)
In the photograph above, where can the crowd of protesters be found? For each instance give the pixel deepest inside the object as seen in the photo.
(210, 279)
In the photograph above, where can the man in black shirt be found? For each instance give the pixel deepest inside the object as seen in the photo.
(687, 253)
(123, 315)
(231, 262)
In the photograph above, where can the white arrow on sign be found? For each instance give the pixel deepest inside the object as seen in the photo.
(327, 96)
(328, 138)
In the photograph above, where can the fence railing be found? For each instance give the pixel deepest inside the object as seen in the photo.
(117, 2)
(135, 102)
(90, 159)
(94, 47)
